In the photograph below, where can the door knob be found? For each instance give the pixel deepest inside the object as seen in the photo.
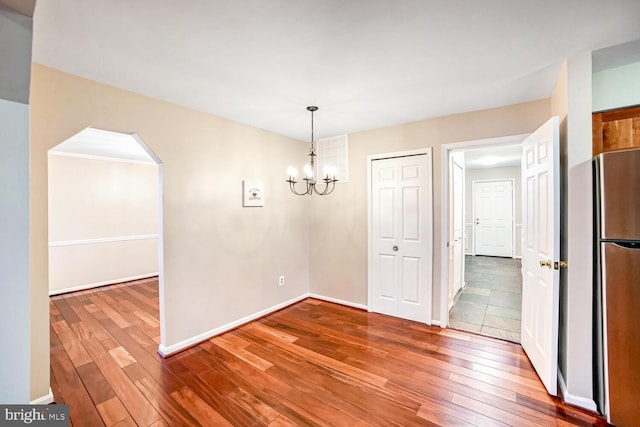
(546, 263)
(395, 249)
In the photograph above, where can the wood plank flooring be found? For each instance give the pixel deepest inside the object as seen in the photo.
(314, 363)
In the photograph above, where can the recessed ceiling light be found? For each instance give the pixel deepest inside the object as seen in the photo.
(489, 160)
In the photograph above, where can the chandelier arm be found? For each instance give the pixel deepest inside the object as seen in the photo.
(329, 185)
(292, 187)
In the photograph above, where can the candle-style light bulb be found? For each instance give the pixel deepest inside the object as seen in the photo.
(292, 172)
(330, 172)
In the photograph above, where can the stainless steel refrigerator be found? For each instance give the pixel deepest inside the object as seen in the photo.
(617, 290)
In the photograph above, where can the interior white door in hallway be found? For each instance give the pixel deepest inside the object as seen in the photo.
(401, 237)
(456, 224)
(541, 250)
(493, 217)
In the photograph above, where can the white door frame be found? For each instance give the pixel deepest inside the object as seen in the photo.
(429, 283)
(446, 151)
(513, 212)
(161, 292)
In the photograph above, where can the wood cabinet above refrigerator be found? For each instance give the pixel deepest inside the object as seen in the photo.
(616, 130)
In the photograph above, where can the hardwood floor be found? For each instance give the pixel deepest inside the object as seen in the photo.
(314, 363)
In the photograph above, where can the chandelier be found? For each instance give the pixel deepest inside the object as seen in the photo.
(312, 186)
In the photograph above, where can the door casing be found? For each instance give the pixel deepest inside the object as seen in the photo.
(447, 149)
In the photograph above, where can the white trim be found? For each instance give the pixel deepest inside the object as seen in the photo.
(166, 351)
(435, 322)
(105, 283)
(102, 240)
(161, 301)
(446, 149)
(468, 238)
(370, 158)
(517, 229)
(104, 158)
(339, 301)
(43, 400)
(581, 402)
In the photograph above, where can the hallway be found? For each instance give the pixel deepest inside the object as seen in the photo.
(490, 303)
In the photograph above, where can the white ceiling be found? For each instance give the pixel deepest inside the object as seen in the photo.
(103, 144)
(365, 63)
(493, 157)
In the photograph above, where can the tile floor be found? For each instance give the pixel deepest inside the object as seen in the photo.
(490, 303)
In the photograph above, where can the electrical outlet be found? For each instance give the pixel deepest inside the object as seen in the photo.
(281, 281)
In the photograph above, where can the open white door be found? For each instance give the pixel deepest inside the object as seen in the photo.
(541, 246)
(456, 224)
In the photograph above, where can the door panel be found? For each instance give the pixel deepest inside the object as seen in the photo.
(387, 276)
(410, 213)
(540, 281)
(411, 280)
(386, 207)
(544, 222)
(401, 240)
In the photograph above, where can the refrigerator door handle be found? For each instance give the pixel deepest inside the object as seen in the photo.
(626, 245)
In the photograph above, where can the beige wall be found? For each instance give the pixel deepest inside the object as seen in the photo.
(103, 221)
(221, 261)
(338, 227)
(485, 174)
(571, 101)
